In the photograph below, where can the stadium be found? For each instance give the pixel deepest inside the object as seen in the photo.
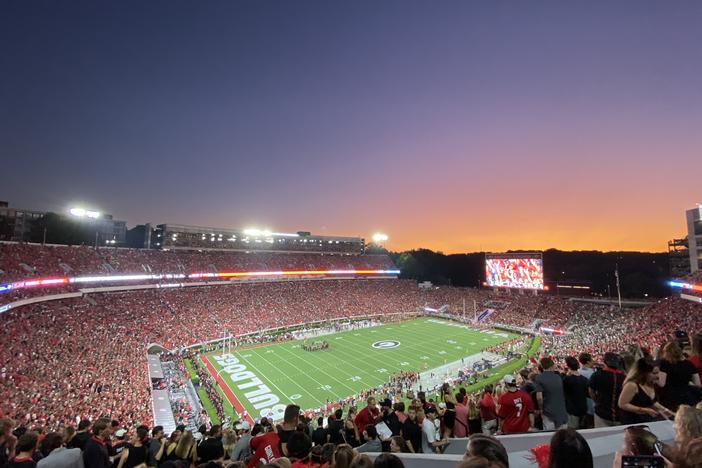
(196, 333)
(350, 234)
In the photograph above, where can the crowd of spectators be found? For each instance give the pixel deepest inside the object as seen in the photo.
(22, 261)
(75, 360)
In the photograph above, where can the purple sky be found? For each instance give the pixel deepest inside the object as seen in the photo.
(451, 125)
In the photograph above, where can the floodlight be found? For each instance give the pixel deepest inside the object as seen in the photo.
(83, 213)
(79, 212)
(252, 232)
(379, 237)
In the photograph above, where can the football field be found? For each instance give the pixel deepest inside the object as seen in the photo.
(263, 379)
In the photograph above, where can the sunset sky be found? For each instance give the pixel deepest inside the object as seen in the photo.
(453, 125)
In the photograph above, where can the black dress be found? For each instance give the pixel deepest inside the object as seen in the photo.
(642, 400)
(450, 416)
(137, 456)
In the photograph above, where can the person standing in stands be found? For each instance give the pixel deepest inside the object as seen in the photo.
(696, 357)
(135, 453)
(81, 436)
(575, 387)
(26, 446)
(57, 456)
(679, 374)
(8, 442)
(550, 396)
(211, 449)
(335, 427)
(96, 453)
(368, 415)
(266, 448)
(637, 400)
(320, 436)
(587, 370)
(488, 411)
(291, 417)
(605, 388)
(155, 444)
(515, 408)
(412, 431)
(460, 429)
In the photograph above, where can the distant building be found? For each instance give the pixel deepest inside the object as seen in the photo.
(139, 237)
(679, 257)
(175, 236)
(16, 223)
(694, 237)
(22, 225)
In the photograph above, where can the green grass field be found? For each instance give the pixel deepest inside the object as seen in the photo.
(285, 373)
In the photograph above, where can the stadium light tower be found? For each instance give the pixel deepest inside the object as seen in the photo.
(83, 213)
(379, 238)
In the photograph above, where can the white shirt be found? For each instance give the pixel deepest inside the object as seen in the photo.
(429, 435)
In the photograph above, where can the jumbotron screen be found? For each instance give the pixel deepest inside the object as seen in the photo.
(521, 272)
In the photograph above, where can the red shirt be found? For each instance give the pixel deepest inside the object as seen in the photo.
(460, 429)
(265, 449)
(365, 417)
(514, 411)
(695, 360)
(487, 407)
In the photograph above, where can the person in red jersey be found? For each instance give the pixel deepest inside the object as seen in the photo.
(486, 405)
(368, 415)
(266, 448)
(515, 408)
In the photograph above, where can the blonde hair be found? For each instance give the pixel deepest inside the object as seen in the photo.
(185, 444)
(688, 424)
(672, 352)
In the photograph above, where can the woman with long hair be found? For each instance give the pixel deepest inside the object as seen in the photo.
(638, 398)
(684, 451)
(343, 455)
(449, 417)
(350, 433)
(68, 433)
(186, 450)
(474, 422)
(165, 453)
(679, 374)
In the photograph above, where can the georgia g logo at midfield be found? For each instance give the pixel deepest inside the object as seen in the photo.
(386, 344)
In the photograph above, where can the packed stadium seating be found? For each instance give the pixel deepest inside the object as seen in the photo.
(67, 360)
(20, 261)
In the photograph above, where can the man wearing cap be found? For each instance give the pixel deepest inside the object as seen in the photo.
(431, 440)
(515, 408)
(242, 448)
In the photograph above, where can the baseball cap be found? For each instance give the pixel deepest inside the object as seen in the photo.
(120, 432)
(509, 380)
(243, 426)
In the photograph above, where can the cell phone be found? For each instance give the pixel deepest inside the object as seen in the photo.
(643, 461)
